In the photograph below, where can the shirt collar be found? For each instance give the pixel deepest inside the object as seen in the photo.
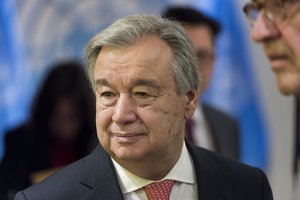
(183, 171)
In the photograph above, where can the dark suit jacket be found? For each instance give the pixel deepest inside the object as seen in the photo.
(225, 131)
(94, 178)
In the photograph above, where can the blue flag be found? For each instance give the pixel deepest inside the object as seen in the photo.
(234, 87)
(13, 75)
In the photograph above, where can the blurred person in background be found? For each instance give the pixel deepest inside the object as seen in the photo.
(276, 25)
(59, 131)
(210, 127)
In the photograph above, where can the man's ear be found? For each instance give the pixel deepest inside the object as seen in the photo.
(192, 98)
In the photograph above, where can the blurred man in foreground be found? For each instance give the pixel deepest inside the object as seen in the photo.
(275, 24)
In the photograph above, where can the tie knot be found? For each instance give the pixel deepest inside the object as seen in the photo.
(159, 190)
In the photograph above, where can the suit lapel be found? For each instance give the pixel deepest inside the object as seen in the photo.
(209, 184)
(99, 175)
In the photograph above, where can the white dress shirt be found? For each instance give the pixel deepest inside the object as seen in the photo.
(183, 173)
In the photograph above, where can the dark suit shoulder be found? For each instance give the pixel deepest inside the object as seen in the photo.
(237, 180)
(219, 164)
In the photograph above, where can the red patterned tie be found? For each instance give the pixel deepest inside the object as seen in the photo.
(159, 190)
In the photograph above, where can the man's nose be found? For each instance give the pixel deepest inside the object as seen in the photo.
(125, 110)
(264, 30)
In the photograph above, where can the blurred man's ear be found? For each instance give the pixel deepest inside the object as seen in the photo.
(192, 98)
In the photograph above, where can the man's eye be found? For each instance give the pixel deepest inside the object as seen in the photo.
(142, 94)
(107, 98)
(107, 94)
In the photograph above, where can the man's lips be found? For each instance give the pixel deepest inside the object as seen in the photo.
(128, 137)
(277, 57)
(277, 61)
